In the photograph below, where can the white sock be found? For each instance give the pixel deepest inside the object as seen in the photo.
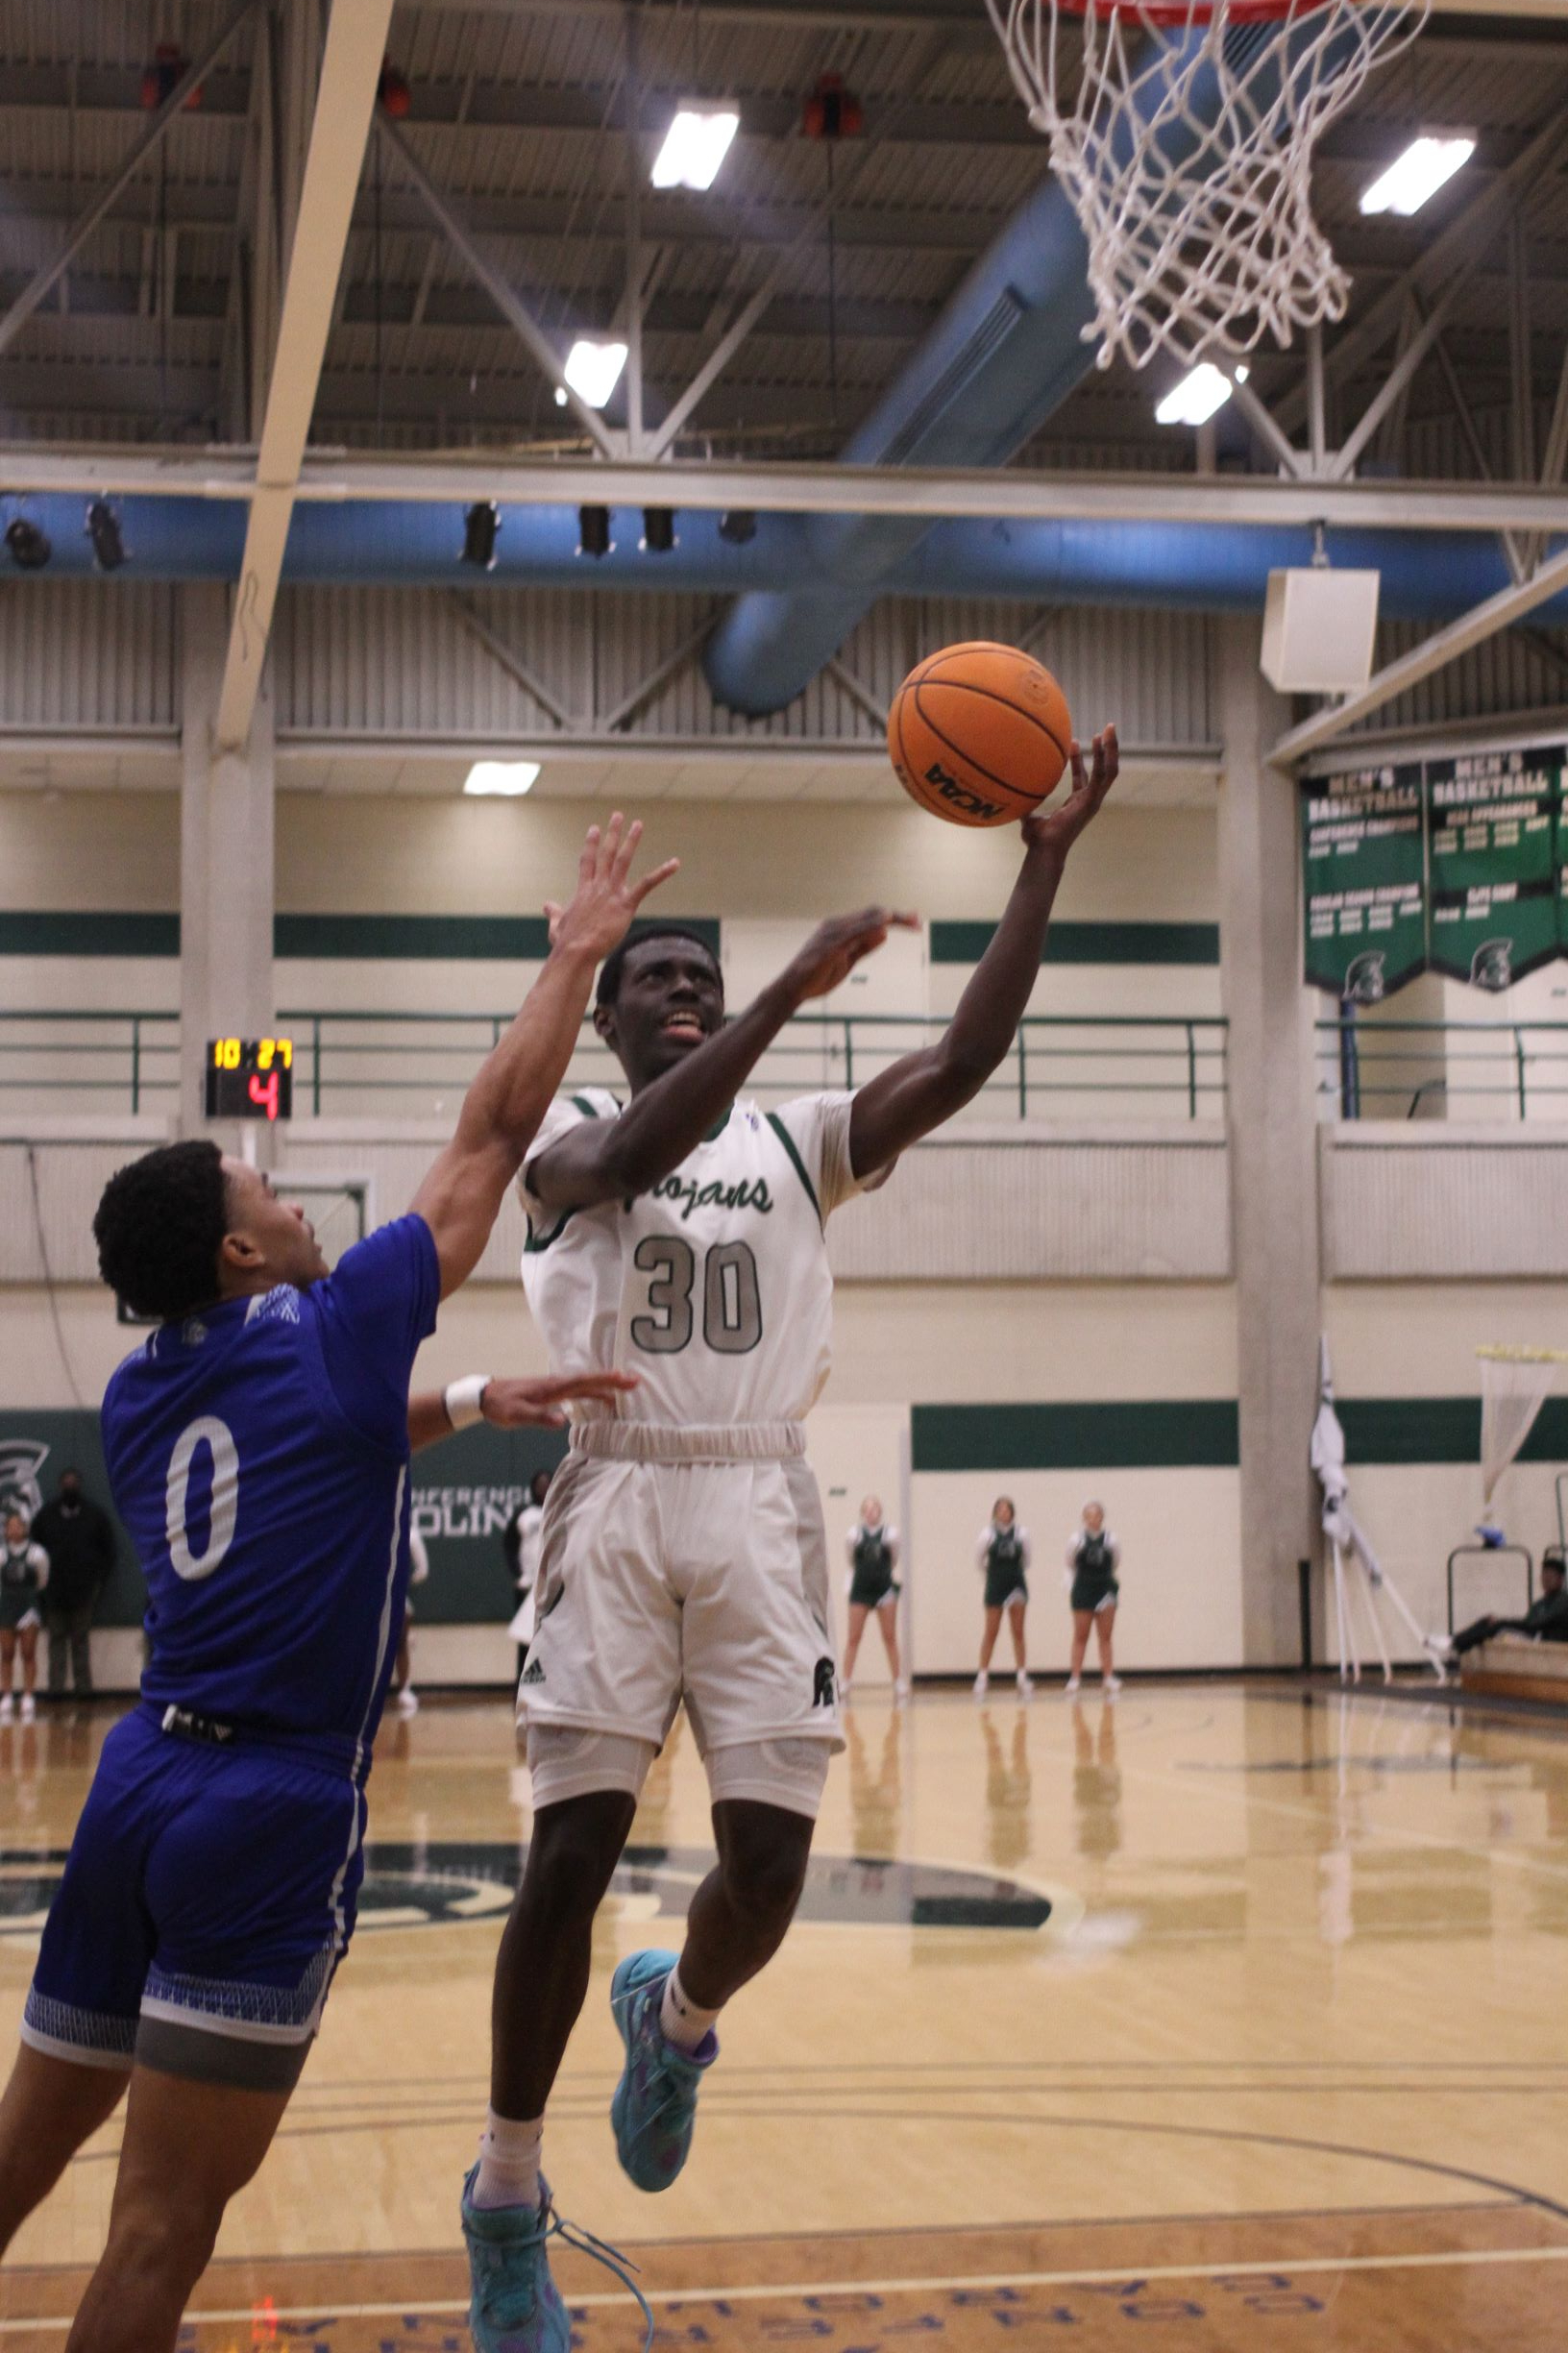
(682, 2022)
(508, 2173)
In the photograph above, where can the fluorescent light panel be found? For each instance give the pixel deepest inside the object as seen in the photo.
(1420, 172)
(694, 145)
(593, 370)
(1196, 397)
(501, 779)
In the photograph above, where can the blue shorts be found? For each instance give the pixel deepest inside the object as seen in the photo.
(208, 1896)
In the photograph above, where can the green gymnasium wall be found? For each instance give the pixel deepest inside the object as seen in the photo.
(455, 939)
(465, 1490)
(1102, 942)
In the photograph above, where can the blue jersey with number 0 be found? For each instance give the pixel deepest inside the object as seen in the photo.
(258, 1455)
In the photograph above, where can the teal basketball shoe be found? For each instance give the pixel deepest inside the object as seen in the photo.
(515, 2306)
(655, 2107)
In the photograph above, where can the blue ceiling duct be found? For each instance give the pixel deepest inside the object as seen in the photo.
(1427, 575)
(1003, 356)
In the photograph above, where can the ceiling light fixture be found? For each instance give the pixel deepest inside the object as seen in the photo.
(658, 530)
(28, 547)
(103, 529)
(1197, 397)
(501, 779)
(1425, 166)
(481, 526)
(739, 526)
(694, 146)
(593, 370)
(594, 532)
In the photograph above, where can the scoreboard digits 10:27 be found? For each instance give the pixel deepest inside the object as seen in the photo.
(250, 1078)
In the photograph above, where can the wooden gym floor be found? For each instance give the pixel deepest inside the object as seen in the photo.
(1210, 2018)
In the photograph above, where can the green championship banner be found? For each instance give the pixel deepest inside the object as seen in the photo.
(1363, 866)
(1492, 862)
(1457, 865)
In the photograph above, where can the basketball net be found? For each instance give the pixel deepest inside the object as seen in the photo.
(1182, 131)
(1515, 1383)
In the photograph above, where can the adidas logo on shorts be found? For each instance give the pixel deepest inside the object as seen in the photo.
(533, 1671)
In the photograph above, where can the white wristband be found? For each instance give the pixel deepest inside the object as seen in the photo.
(464, 1400)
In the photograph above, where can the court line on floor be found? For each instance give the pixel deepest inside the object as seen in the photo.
(1022, 2118)
(1132, 2274)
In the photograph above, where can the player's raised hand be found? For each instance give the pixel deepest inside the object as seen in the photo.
(1057, 829)
(602, 909)
(537, 1405)
(835, 948)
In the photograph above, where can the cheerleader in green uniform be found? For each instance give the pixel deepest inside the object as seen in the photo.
(1093, 1557)
(1004, 1559)
(24, 1572)
(872, 1547)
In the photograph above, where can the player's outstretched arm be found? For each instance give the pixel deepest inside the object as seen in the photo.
(461, 1197)
(513, 1404)
(906, 1101)
(617, 1160)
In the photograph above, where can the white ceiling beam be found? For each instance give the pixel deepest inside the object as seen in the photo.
(1434, 653)
(351, 67)
(1005, 495)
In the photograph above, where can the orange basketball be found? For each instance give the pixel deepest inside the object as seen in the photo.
(979, 734)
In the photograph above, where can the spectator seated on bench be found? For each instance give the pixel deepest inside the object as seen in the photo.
(1546, 1620)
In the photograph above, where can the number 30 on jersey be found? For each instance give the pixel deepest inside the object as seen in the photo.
(731, 1297)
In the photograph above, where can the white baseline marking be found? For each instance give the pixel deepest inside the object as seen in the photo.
(1288, 2266)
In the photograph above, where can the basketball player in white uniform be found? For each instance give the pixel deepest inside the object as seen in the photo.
(683, 1554)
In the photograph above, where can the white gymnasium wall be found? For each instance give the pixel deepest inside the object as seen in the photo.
(768, 871)
(856, 1451)
(1414, 1341)
(60, 1353)
(82, 849)
(1180, 1532)
(1085, 1343)
(1430, 1201)
(445, 855)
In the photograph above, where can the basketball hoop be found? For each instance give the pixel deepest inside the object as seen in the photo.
(1186, 145)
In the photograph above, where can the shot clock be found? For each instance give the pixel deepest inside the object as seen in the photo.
(250, 1078)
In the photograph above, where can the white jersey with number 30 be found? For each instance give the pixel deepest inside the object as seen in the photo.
(714, 1285)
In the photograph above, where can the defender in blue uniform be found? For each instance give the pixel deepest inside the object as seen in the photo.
(257, 1448)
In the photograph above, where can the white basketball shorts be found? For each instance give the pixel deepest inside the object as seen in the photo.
(700, 1580)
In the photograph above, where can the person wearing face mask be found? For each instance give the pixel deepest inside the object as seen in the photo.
(79, 1538)
(24, 1573)
(1003, 1553)
(1092, 1559)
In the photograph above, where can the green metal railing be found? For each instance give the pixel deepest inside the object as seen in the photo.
(124, 1059)
(1437, 1069)
(1178, 1060)
(1165, 1066)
